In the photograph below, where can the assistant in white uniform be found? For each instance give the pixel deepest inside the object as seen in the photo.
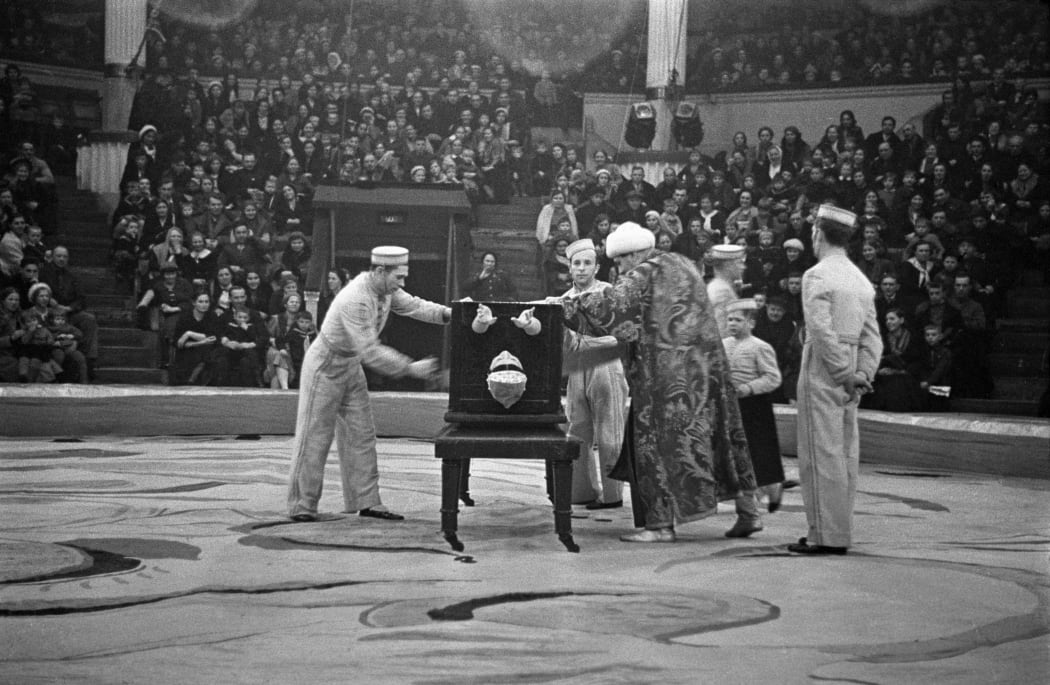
(727, 262)
(333, 393)
(839, 360)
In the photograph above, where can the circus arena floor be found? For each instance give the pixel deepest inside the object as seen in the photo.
(135, 559)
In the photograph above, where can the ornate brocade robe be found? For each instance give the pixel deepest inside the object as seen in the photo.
(690, 451)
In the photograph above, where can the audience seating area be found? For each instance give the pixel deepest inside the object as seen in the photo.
(215, 211)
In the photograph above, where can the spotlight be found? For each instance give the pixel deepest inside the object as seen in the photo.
(687, 129)
(641, 126)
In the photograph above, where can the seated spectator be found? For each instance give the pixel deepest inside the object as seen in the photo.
(243, 253)
(171, 251)
(33, 245)
(12, 237)
(937, 310)
(295, 257)
(161, 305)
(69, 299)
(335, 281)
(130, 253)
(490, 284)
(896, 384)
(971, 376)
(290, 214)
(916, 273)
(37, 362)
(12, 332)
(779, 330)
(196, 344)
(934, 369)
(280, 367)
(872, 265)
(241, 340)
(200, 264)
(287, 284)
(551, 217)
(31, 197)
(556, 269)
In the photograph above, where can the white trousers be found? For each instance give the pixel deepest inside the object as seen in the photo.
(828, 454)
(333, 403)
(596, 400)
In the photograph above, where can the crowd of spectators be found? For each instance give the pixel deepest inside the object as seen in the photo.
(821, 44)
(46, 332)
(62, 32)
(946, 227)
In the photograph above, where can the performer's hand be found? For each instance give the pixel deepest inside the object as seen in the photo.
(856, 385)
(525, 318)
(423, 368)
(484, 315)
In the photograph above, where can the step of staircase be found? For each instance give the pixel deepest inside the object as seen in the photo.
(114, 317)
(100, 280)
(109, 301)
(999, 407)
(1024, 325)
(119, 335)
(1021, 388)
(1029, 304)
(1020, 341)
(1015, 363)
(130, 375)
(126, 355)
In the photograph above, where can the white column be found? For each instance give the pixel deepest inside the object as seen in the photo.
(100, 166)
(668, 24)
(125, 26)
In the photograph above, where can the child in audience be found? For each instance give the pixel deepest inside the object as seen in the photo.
(239, 338)
(936, 367)
(37, 349)
(519, 171)
(296, 341)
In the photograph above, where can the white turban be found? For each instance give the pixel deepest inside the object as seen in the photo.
(627, 238)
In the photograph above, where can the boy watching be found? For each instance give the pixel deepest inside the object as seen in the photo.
(755, 375)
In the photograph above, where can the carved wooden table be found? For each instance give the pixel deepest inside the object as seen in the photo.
(456, 445)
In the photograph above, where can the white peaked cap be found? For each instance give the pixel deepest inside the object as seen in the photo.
(725, 253)
(389, 255)
(837, 215)
(579, 246)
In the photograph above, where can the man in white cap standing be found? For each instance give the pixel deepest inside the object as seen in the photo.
(596, 397)
(839, 360)
(727, 262)
(333, 393)
(685, 448)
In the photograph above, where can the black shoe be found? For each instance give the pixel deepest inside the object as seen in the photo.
(803, 547)
(596, 504)
(466, 499)
(743, 528)
(790, 483)
(381, 514)
(304, 518)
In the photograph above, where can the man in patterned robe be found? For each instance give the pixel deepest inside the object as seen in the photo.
(687, 445)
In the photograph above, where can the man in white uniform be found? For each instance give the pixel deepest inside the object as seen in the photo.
(727, 262)
(333, 393)
(839, 360)
(596, 396)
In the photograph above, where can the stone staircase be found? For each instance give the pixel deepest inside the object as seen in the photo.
(127, 355)
(510, 231)
(1022, 338)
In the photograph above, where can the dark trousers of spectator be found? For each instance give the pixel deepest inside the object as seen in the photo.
(971, 374)
(242, 369)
